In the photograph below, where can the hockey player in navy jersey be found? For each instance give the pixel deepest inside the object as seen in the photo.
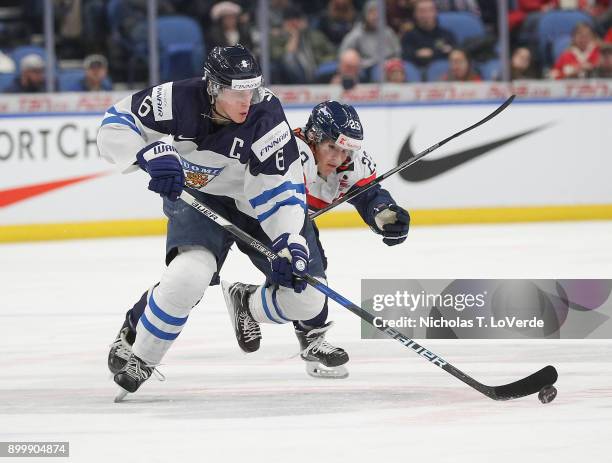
(226, 138)
(334, 162)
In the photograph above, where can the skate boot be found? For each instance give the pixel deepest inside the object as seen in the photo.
(133, 374)
(323, 360)
(246, 328)
(121, 348)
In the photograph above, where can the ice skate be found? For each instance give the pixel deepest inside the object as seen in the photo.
(323, 360)
(132, 375)
(246, 329)
(121, 348)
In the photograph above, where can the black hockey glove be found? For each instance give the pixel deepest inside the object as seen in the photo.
(392, 222)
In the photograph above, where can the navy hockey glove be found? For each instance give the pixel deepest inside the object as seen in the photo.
(162, 162)
(392, 222)
(294, 261)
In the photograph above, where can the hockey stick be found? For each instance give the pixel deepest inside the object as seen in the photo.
(409, 162)
(523, 387)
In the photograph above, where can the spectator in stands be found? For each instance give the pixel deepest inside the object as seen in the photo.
(427, 41)
(337, 20)
(96, 73)
(95, 25)
(399, 15)
(581, 58)
(349, 69)
(298, 51)
(364, 38)
(277, 7)
(521, 65)
(32, 76)
(226, 28)
(394, 71)
(460, 68)
(489, 15)
(604, 70)
(470, 6)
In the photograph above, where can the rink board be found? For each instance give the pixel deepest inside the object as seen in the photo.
(538, 160)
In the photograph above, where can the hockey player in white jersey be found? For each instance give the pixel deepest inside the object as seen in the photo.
(334, 162)
(227, 138)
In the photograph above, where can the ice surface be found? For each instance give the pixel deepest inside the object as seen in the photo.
(61, 304)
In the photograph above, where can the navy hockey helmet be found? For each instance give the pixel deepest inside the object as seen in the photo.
(335, 121)
(234, 68)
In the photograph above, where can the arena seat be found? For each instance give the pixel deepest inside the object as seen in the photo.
(462, 24)
(181, 47)
(489, 70)
(436, 70)
(6, 79)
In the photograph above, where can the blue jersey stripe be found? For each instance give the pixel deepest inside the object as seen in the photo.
(114, 112)
(267, 195)
(292, 201)
(265, 305)
(163, 316)
(119, 120)
(277, 308)
(156, 331)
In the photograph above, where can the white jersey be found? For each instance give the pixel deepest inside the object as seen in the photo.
(357, 170)
(255, 163)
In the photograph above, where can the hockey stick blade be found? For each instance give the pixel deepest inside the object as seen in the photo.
(526, 386)
(357, 191)
(532, 384)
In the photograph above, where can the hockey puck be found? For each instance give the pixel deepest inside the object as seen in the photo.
(547, 394)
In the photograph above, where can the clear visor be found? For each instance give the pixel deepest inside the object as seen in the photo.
(249, 90)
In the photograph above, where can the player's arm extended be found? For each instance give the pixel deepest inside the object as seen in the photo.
(364, 172)
(134, 123)
(376, 206)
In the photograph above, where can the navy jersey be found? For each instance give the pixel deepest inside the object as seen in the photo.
(256, 163)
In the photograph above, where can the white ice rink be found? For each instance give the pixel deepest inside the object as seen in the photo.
(61, 304)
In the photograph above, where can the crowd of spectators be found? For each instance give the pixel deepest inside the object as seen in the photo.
(312, 41)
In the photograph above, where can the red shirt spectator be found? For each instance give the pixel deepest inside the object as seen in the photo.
(581, 57)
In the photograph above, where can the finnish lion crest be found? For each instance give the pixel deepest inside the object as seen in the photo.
(196, 180)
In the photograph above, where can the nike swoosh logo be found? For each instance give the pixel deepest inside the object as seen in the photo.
(183, 138)
(429, 168)
(15, 195)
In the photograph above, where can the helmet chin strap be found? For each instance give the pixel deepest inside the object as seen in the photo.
(215, 115)
(219, 118)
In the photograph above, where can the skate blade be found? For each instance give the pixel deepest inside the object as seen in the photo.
(316, 370)
(121, 395)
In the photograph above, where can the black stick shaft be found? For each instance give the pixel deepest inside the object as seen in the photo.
(511, 391)
(409, 162)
